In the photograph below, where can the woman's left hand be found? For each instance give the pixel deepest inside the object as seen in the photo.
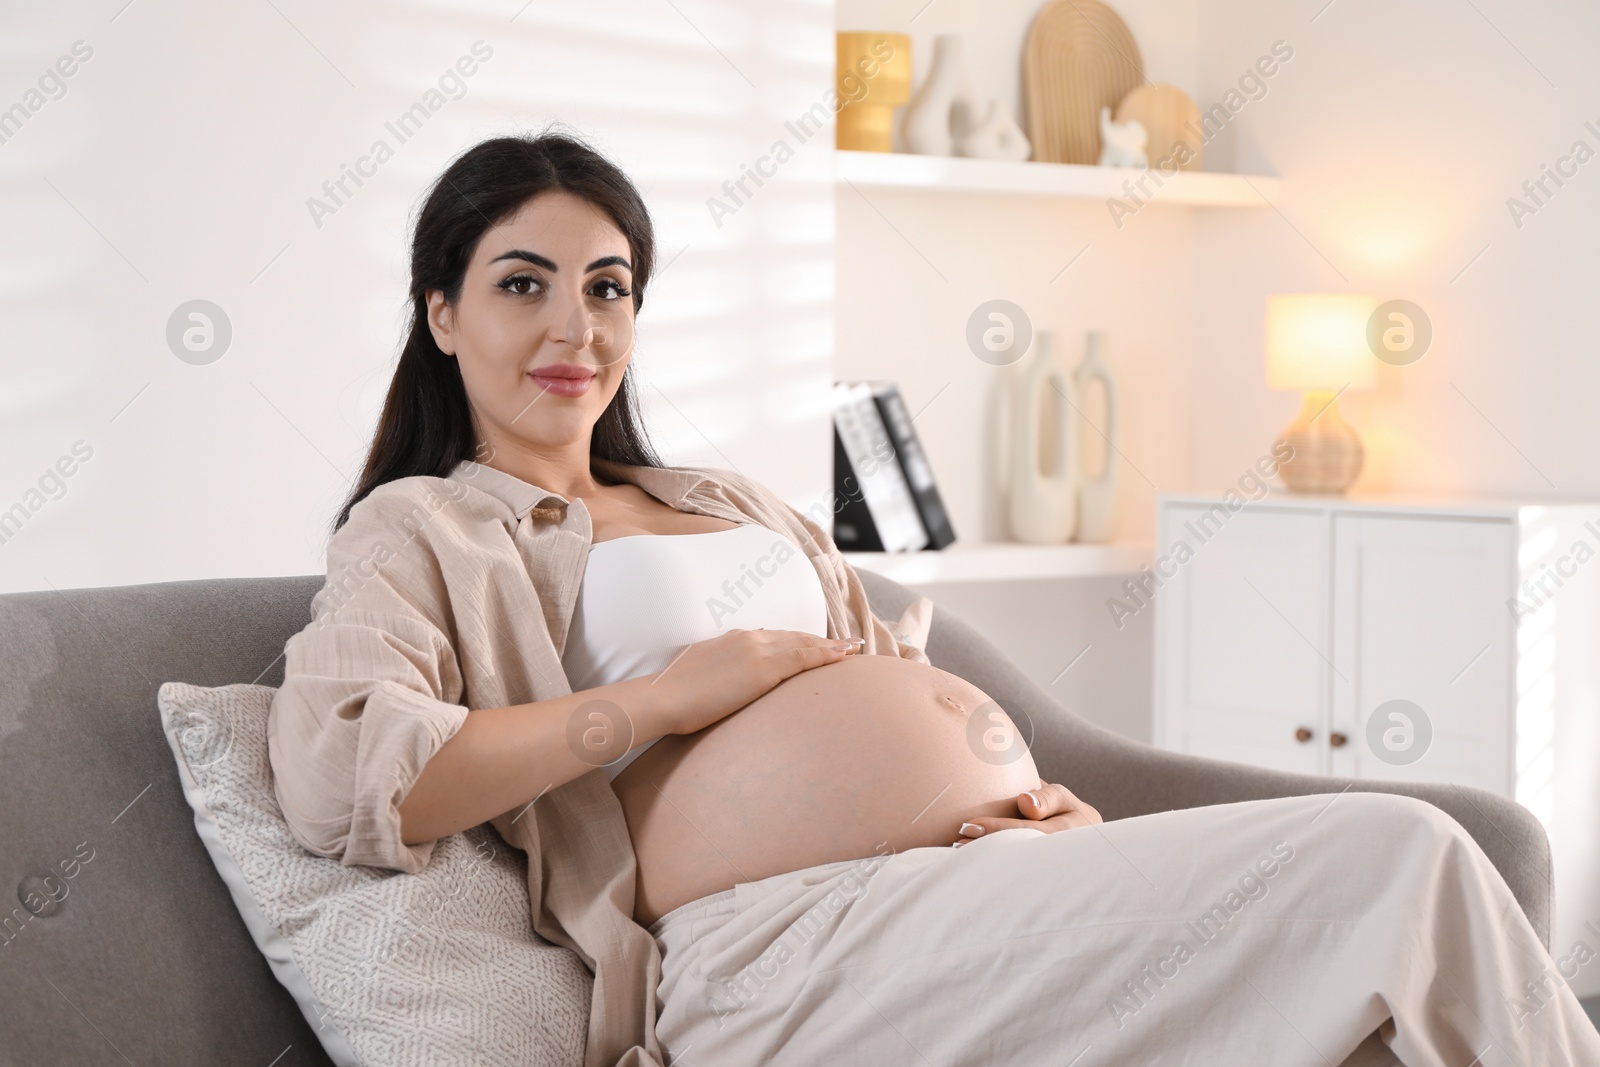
(1049, 808)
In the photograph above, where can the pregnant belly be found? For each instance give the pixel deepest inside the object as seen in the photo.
(869, 754)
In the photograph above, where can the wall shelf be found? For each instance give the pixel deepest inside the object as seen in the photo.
(1005, 561)
(903, 170)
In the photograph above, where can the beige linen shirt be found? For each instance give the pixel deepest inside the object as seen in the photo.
(446, 595)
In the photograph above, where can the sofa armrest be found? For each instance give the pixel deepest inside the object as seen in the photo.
(1123, 778)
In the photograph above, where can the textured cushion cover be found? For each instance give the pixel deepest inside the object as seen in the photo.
(391, 969)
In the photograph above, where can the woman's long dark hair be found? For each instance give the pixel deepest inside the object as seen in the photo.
(426, 424)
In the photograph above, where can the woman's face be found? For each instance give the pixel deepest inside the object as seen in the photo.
(543, 328)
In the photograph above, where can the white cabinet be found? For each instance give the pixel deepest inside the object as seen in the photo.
(1420, 613)
(1411, 640)
(1252, 606)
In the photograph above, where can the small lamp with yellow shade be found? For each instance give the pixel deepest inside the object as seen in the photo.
(872, 76)
(1317, 344)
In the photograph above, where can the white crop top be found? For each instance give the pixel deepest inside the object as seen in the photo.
(645, 597)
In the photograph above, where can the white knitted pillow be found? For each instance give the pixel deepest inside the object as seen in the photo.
(390, 969)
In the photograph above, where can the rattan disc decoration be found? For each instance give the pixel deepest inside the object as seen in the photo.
(1170, 118)
(1079, 57)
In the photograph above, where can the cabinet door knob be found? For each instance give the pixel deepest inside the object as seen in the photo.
(1302, 735)
(1337, 740)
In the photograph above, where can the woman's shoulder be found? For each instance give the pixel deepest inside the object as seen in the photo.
(414, 509)
(402, 496)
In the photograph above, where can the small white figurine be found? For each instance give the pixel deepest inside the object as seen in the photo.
(996, 137)
(1124, 142)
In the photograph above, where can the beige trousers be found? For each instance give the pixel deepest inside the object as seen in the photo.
(1279, 932)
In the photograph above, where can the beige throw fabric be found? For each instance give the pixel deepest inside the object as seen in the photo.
(450, 594)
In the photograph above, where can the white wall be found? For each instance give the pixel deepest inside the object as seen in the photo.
(178, 165)
(1401, 131)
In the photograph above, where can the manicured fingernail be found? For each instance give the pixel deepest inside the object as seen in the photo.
(844, 646)
(958, 844)
(1035, 798)
(971, 829)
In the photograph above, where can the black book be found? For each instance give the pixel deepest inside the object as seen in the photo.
(914, 463)
(886, 498)
(853, 528)
(875, 511)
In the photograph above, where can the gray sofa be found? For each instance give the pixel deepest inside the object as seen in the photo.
(146, 961)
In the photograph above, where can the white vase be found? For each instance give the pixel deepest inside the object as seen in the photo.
(927, 118)
(996, 137)
(1043, 507)
(1097, 495)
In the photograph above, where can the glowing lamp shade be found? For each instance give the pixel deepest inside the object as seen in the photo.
(1317, 343)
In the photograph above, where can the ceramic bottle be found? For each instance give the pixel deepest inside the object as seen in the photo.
(1043, 506)
(928, 117)
(1097, 495)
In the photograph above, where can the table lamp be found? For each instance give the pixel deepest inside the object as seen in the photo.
(872, 77)
(1317, 343)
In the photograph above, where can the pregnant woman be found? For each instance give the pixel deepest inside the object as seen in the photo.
(739, 790)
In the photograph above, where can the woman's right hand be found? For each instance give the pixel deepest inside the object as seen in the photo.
(712, 679)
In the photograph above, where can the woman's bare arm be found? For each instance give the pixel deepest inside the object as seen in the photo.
(503, 757)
